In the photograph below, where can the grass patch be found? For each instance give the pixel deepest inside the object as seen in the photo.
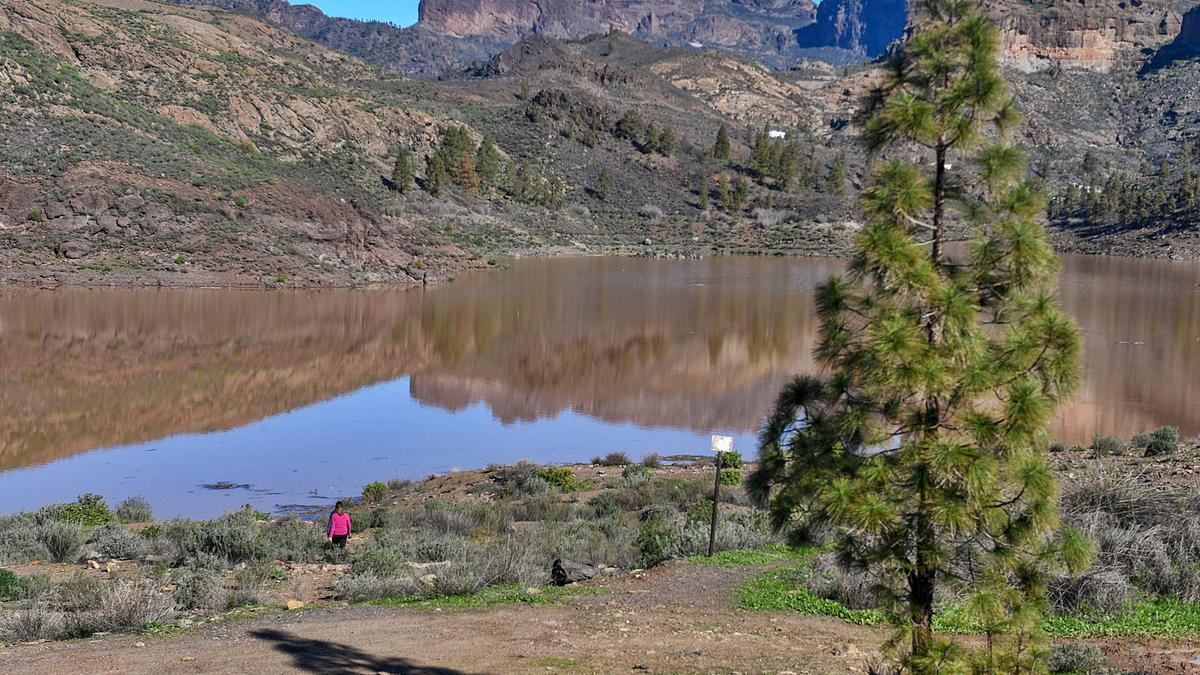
(494, 596)
(783, 590)
(1160, 617)
(755, 556)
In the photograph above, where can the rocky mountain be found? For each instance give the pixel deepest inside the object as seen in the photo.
(155, 143)
(454, 33)
(412, 51)
(761, 29)
(193, 144)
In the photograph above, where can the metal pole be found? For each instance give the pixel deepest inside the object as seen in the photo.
(712, 528)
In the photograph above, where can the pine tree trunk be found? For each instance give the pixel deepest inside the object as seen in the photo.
(920, 586)
(939, 204)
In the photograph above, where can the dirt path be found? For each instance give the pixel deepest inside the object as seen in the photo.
(678, 619)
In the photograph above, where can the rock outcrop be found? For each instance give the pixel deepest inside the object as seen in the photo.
(1092, 34)
(1095, 35)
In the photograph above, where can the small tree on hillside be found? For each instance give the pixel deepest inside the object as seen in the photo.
(603, 185)
(922, 453)
(721, 148)
(488, 164)
(437, 176)
(402, 171)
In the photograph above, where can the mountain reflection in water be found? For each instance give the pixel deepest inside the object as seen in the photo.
(689, 345)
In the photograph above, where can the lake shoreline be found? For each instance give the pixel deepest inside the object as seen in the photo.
(44, 277)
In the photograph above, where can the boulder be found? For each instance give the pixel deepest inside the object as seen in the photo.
(55, 209)
(70, 223)
(130, 203)
(74, 249)
(109, 224)
(91, 203)
(564, 572)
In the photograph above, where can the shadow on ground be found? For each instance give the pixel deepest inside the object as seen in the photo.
(322, 656)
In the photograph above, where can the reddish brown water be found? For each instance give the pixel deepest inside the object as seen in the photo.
(554, 359)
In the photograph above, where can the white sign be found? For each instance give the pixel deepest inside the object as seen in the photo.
(722, 444)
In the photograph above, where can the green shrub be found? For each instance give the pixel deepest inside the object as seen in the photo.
(232, 538)
(62, 539)
(292, 540)
(375, 492)
(115, 541)
(20, 544)
(731, 477)
(11, 585)
(89, 510)
(655, 542)
(1057, 447)
(1076, 657)
(635, 474)
(379, 517)
(560, 477)
(36, 216)
(732, 460)
(612, 459)
(135, 510)
(1107, 445)
(1161, 441)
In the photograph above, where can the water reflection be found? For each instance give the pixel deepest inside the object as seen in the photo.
(689, 345)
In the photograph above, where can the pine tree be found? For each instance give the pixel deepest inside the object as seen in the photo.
(721, 148)
(725, 192)
(603, 185)
(760, 154)
(437, 177)
(487, 163)
(402, 171)
(702, 191)
(741, 192)
(922, 453)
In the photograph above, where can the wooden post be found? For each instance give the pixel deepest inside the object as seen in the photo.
(712, 527)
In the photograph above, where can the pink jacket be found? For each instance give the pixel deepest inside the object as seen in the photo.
(339, 524)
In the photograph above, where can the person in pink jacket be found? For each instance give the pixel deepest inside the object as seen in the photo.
(339, 526)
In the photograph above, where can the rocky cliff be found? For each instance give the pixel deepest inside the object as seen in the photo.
(1093, 34)
(1089, 34)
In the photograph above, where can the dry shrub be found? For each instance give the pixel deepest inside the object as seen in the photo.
(1147, 539)
(115, 541)
(127, 605)
(202, 589)
(37, 622)
(854, 588)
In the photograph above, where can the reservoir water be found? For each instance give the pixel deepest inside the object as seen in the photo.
(300, 397)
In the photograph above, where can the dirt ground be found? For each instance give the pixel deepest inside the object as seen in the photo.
(677, 618)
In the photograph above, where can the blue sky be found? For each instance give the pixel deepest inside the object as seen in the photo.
(399, 12)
